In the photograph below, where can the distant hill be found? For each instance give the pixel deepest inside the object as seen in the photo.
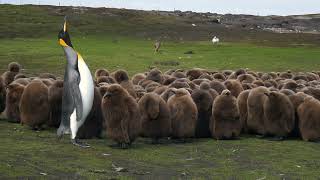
(37, 21)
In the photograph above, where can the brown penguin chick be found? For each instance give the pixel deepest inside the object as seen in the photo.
(19, 76)
(279, 115)
(92, 127)
(266, 76)
(237, 73)
(246, 78)
(287, 92)
(122, 115)
(286, 75)
(272, 83)
(47, 76)
(252, 73)
(206, 86)
(165, 77)
(106, 79)
(2, 95)
(13, 97)
(159, 90)
(296, 100)
(242, 104)
(14, 67)
(23, 81)
(179, 75)
(47, 82)
(183, 114)
(203, 101)
(145, 82)
(300, 77)
(314, 92)
(121, 75)
(234, 87)
(178, 84)
(55, 100)
(247, 86)
(103, 89)
(101, 72)
(218, 86)
(309, 116)
(267, 84)
(194, 73)
(227, 72)
(152, 86)
(206, 76)
(273, 89)
(260, 74)
(198, 81)
(168, 93)
(219, 76)
(155, 117)
(155, 75)
(316, 72)
(273, 75)
(255, 120)
(169, 81)
(258, 83)
(170, 72)
(137, 78)
(292, 85)
(122, 78)
(312, 76)
(140, 91)
(225, 122)
(34, 105)
(8, 77)
(193, 86)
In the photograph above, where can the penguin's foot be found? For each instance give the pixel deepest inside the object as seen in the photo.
(276, 138)
(76, 142)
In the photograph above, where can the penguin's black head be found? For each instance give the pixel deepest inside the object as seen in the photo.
(63, 36)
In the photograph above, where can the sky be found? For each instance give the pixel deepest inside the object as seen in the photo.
(254, 7)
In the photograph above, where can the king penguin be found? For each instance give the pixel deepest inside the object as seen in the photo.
(78, 90)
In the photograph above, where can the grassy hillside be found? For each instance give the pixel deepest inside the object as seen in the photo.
(45, 21)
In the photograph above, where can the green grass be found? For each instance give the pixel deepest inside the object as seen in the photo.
(134, 55)
(34, 152)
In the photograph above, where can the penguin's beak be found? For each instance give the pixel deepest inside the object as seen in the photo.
(63, 36)
(65, 25)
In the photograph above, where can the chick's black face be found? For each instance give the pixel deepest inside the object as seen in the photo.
(64, 36)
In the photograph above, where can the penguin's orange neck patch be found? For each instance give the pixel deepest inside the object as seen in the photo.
(62, 43)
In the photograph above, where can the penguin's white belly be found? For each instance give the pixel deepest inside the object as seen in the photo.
(86, 87)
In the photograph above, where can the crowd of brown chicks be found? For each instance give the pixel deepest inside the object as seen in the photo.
(179, 104)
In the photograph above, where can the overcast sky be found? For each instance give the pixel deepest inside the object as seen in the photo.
(255, 7)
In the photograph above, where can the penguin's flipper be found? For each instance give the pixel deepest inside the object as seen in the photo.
(77, 99)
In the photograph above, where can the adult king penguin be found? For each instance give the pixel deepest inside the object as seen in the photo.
(78, 90)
